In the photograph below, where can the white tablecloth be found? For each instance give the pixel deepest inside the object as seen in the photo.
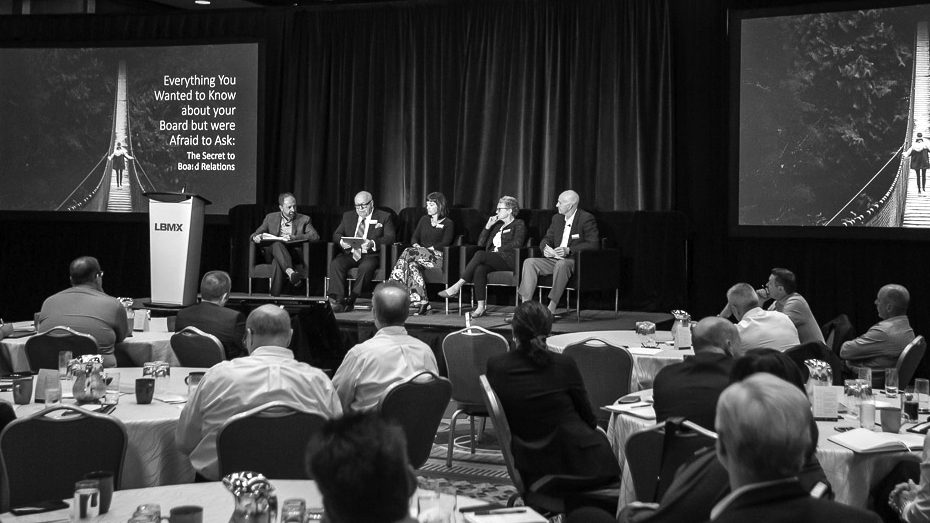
(646, 362)
(140, 347)
(152, 458)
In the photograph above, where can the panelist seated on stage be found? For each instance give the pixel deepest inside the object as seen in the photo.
(881, 345)
(85, 308)
(571, 230)
(269, 373)
(212, 317)
(758, 328)
(781, 287)
(391, 355)
(279, 228)
(376, 229)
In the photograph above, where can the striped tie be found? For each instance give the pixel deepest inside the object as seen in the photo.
(359, 232)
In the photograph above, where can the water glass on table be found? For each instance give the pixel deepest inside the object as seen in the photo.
(891, 383)
(293, 510)
(909, 404)
(86, 499)
(53, 394)
(851, 391)
(112, 395)
(436, 503)
(64, 370)
(865, 374)
(922, 387)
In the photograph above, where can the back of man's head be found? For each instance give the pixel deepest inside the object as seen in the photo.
(712, 333)
(742, 297)
(897, 298)
(214, 285)
(785, 279)
(390, 304)
(763, 426)
(83, 270)
(360, 465)
(268, 325)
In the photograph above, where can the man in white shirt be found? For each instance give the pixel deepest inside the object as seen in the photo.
(391, 355)
(758, 328)
(782, 288)
(269, 373)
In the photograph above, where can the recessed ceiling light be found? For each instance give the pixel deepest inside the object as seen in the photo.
(202, 2)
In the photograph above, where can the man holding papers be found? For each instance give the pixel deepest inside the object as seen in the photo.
(280, 228)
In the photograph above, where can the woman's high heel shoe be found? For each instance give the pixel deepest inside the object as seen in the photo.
(479, 312)
(449, 292)
(424, 309)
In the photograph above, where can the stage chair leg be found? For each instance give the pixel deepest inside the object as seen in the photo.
(482, 427)
(617, 301)
(471, 422)
(250, 285)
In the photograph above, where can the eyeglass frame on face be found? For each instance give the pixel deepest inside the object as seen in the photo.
(363, 205)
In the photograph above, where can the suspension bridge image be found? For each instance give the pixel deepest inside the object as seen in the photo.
(117, 182)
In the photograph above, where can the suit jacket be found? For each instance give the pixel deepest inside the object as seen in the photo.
(691, 388)
(226, 324)
(513, 237)
(584, 236)
(301, 229)
(380, 229)
(789, 502)
(880, 347)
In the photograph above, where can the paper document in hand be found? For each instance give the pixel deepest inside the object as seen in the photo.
(864, 441)
(271, 237)
(354, 242)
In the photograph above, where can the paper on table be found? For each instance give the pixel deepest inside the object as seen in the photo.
(865, 441)
(826, 402)
(170, 398)
(23, 326)
(640, 410)
(527, 516)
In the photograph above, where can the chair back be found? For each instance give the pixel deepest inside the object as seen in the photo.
(43, 348)
(816, 351)
(655, 453)
(837, 331)
(467, 352)
(909, 360)
(417, 405)
(504, 436)
(45, 454)
(607, 371)
(196, 348)
(270, 439)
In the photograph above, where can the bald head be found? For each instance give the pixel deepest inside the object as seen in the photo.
(364, 203)
(84, 271)
(568, 202)
(390, 304)
(741, 298)
(268, 325)
(892, 301)
(713, 334)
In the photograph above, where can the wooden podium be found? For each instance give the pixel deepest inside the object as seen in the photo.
(175, 238)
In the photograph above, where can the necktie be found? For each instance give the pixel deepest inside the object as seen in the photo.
(359, 232)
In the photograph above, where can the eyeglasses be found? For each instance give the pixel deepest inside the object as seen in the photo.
(100, 274)
(503, 208)
(362, 205)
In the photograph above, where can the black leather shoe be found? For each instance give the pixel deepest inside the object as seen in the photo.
(336, 306)
(348, 304)
(295, 278)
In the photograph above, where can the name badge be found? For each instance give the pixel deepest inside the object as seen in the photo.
(505, 231)
(378, 225)
(576, 236)
(373, 221)
(440, 226)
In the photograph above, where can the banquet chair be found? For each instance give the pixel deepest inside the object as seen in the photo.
(196, 348)
(817, 351)
(45, 455)
(467, 352)
(417, 405)
(381, 273)
(270, 439)
(496, 278)
(837, 331)
(551, 494)
(606, 370)
(595, 270)
(909, 360)
(42, 349)
(655, 453)
(258, 269)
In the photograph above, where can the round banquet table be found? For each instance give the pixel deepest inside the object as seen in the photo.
(850, 474)
(218, 503)
(152, 457)
(646, 362)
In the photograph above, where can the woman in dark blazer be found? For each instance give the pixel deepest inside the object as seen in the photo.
(501, 235)
(554, 429)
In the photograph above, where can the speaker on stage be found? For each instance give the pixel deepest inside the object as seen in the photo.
(176, 234)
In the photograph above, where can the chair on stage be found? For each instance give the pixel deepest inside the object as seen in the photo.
(655, 453)
(595, 270)
(909, 360)
(467, 352)
(196, 348)
(270, 439)
(417, 405)
(607, 372)
(43, 348)
(496, 278)
(449, 270)
(46, 455)
(261, 270)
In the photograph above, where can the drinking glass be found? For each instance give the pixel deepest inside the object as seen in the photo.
(150, 511)
(64, 371)
(293, 510)
(86, 499)
(162, 375)
(851, 391)
(922, 386)
(646, 330)
(865, 374)
(867, 411)
(891, 383)
(112, 379)
(436, 503)
(53, 395)
(909, 404)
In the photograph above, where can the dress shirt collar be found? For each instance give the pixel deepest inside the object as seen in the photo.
(393, 330)
(570, 218)
(272, 350)
(727, 501)
(752, 313)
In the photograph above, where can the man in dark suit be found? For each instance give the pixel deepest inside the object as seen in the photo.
(212, 317)
(280, 228)
(690, 389)
(571, 230)
(377, 228)
(763, 426)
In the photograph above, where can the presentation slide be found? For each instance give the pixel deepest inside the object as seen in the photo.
(92, 129)
(830, 105)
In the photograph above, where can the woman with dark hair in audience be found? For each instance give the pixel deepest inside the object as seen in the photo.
(432, 234)
(501, 235)
(554, 429)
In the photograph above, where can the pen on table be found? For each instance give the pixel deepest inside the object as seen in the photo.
(500, 511)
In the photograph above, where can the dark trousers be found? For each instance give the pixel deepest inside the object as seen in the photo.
(281, 257)
(339, 268)
(921, 179)
(478, 268)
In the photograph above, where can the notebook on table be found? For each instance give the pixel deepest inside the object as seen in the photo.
(865, 441)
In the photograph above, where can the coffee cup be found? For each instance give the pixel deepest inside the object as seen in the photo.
(22, 390)
(145, 389)
(891, 419)
(194, 378)
(186, 514)
(105, 480)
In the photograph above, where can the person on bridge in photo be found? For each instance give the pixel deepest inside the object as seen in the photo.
(920, 160)
(118, 159)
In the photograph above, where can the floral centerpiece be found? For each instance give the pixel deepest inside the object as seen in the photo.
(89, 383)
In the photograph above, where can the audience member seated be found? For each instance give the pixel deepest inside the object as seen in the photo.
(281, 227)
(690, 389)
(881, 345)
(86, 308)
(360, 466)
(212, 317)
(5, 329)
(911, 500)
(763, 441)
(391, 355)
(269, 373)
(758, 328)
(782, 288)
(547, 406)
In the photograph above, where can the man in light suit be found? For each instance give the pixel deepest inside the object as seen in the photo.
(289, 225)
(571, 230)
(377, 228)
